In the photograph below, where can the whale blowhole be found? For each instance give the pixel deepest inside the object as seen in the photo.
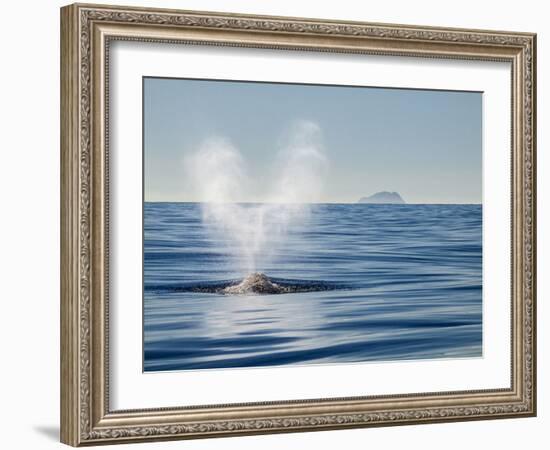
(255, 283)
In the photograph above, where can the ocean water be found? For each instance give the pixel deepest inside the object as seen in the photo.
(402, 282)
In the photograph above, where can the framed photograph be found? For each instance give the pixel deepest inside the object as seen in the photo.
(276, 224)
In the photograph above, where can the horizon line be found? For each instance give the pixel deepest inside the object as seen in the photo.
(314, 203)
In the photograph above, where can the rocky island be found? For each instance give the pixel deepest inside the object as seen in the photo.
(383, 197)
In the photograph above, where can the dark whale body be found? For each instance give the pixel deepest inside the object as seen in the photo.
(255, 283)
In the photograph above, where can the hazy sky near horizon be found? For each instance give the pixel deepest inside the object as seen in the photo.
(426, 145)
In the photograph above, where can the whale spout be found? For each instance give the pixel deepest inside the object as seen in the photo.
(255, 283)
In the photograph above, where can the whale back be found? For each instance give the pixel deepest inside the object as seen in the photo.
(256, 283)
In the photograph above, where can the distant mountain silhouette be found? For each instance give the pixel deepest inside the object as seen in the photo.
(383, 197)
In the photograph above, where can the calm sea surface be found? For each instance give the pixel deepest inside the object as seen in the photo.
(406, 285)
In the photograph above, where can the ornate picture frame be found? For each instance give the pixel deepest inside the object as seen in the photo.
(87, 31)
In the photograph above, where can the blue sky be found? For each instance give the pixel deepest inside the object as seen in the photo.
(426, 145)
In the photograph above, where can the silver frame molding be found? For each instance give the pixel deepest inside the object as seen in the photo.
(86, 33)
